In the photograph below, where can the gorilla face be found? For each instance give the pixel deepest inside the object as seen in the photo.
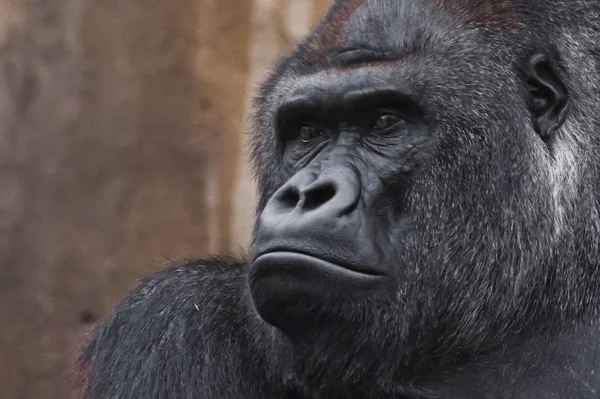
(409, 190)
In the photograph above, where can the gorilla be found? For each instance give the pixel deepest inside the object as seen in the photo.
(428, 223)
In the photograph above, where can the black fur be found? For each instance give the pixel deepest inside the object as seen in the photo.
(481, 214)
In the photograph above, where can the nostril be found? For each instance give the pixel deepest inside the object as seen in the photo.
(289, 198)
(318, 196)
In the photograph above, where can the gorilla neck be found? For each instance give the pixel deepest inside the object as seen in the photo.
(565, 365)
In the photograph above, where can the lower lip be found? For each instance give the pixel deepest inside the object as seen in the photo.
(287, 258)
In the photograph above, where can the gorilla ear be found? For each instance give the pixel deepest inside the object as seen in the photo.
(548, 97)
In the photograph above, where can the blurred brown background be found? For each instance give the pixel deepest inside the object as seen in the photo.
(121, 149)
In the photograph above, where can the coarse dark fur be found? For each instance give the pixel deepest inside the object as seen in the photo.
(482, 215)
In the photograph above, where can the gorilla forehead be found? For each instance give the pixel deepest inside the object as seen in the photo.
(385, 24)
(388, 24)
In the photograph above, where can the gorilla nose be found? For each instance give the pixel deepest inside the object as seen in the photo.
(308, 198)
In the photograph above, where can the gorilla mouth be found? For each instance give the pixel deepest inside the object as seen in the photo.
(288, 287)
(285, 257)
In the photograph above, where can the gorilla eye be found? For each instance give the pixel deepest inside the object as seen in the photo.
(386, 121)
(309, 132)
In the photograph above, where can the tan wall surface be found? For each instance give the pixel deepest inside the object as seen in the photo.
(121, 149)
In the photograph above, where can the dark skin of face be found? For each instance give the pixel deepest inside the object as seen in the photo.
(325, 222)
(427, 225)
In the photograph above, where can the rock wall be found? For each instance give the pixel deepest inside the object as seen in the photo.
(121, 149)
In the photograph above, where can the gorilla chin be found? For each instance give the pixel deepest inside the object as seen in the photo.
(287, 287)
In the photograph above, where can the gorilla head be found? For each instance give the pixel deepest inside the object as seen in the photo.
(428, 183)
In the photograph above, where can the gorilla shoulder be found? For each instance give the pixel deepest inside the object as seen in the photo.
(182, 332)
